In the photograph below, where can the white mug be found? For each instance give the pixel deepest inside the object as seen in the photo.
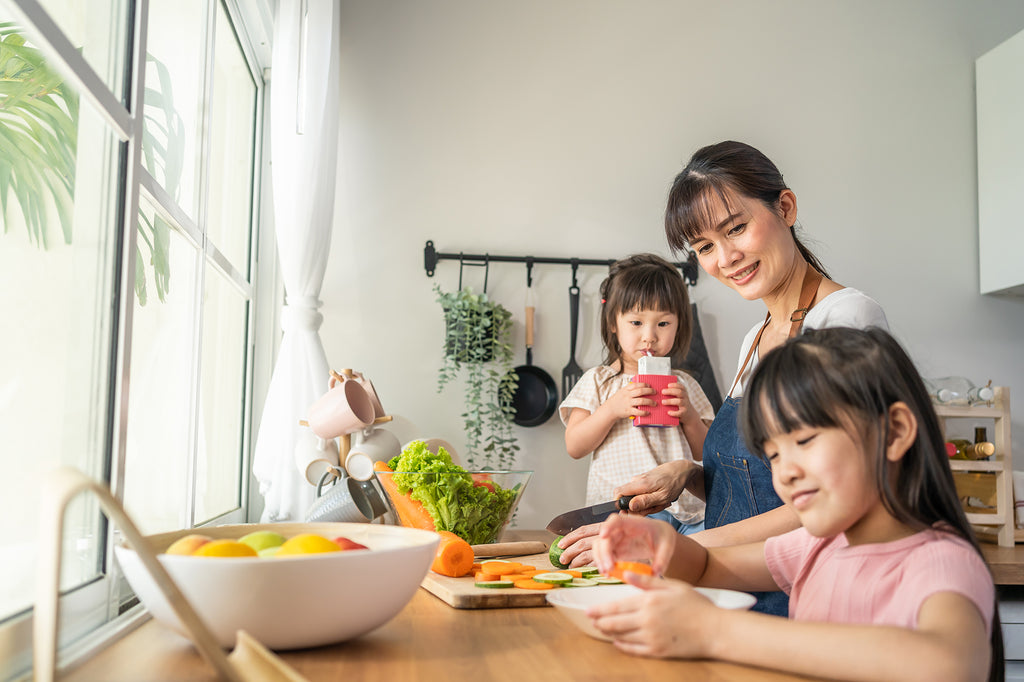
(375, 445)
(314, 455)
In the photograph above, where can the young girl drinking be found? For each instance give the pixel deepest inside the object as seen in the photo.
(645, 311)
(886, 579)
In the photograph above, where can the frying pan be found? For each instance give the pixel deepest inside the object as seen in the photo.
(536, 395)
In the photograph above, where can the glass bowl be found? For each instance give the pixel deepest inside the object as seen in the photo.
(475, 505)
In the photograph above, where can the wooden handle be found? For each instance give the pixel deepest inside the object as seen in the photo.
(521, 548)
(529, 326)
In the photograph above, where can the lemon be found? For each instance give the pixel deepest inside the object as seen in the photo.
(225, 548)
(555, 554)
(307, 543)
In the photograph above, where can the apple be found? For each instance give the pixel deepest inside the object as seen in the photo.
(262, 539)
(347, 544)
(188, 544)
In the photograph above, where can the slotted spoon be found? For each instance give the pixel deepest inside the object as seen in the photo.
(572, 372)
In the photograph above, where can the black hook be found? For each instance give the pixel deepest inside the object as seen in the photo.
(529, 271)
(575, 264)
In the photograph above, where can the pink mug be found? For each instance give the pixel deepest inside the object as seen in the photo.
(345, 408)
(378, 409)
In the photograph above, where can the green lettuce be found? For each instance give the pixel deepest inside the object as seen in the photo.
(471, 506)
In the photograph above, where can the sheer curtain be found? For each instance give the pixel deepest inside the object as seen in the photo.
(304, 133)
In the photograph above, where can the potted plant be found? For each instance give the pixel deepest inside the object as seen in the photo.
(478, 344)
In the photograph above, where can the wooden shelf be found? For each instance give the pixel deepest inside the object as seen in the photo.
(994, 475)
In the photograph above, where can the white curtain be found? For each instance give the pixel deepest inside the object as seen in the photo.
(304, 133)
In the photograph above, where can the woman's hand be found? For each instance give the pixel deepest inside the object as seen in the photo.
(578, 546)
(656, 489)
(653, 623)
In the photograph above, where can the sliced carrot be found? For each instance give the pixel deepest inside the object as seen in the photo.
(476, 566)
(531, 584)
(501, 567)
(454, 556)
(634, 566)
(533, 571)
(485, 577)
(411, 512)
(516, 576)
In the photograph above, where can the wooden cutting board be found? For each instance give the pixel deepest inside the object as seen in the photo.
(462, 593)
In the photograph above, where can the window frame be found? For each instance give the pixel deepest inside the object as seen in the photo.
(102, 610)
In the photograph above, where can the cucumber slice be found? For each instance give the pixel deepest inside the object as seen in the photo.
(589, 571)
(494, 583)
(582, 582)
(606, 580)
(553, 578)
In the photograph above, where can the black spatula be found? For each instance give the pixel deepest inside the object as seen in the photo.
(572, 372)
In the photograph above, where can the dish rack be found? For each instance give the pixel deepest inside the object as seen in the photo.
(990, 480)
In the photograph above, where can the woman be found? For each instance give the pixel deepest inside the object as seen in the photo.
(731, 205)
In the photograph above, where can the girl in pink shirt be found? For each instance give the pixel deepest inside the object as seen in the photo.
(885, 577)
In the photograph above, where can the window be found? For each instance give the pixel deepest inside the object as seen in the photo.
(127, 272)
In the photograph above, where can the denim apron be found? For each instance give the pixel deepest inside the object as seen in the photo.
(738, 484)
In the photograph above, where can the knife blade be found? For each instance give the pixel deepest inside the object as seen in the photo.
(571, 520)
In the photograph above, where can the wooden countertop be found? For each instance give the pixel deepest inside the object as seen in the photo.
(428, 640)
(1007, 563)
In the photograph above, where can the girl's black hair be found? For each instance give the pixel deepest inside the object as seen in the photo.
(644, 281)
(849, 378)
(721, 170)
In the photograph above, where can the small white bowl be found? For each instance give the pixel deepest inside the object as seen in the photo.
(295, 601)
(573, 602)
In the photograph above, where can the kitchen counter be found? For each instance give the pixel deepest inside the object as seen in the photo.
(1007, 563)
(428, 640)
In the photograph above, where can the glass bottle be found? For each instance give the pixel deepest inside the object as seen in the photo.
(958, 391)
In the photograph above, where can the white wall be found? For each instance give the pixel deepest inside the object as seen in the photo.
(555, 128)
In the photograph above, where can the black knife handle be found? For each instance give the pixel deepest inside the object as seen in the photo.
(624, 502)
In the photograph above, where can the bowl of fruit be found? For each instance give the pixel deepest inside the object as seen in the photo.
(289, 585)
(429, 491)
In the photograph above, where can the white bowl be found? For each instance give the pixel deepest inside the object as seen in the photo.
(294, 601)
(573, 602)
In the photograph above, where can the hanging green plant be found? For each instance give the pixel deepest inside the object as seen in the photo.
(478, 345)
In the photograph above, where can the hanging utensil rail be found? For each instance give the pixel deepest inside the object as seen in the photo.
(431, 257)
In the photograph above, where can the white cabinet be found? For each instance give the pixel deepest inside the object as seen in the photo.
(1000, 110)
(991, 480)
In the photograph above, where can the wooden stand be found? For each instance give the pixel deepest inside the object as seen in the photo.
(990, 480)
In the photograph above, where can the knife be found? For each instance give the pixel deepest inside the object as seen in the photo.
(571, 520)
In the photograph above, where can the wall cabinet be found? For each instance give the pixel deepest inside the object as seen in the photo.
(1000, 109)
(989, 481)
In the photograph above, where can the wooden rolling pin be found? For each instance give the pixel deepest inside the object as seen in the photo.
(521, 548)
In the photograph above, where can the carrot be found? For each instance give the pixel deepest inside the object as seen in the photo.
(531, 584)
(411, 512)
(515, 577)
(634, 566)
(454, 556)
(484, 577)
(501, 567)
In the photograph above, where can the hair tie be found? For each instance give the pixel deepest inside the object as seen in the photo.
(603, 301)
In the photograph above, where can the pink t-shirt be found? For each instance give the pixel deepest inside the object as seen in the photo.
(881, 584)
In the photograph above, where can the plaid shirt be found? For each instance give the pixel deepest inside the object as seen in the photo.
(630, 450)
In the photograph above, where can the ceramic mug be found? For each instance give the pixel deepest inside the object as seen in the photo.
(314, 456)
(345, 408)
(368, 497)
(336, 502)
(378, 409)
(375, 445)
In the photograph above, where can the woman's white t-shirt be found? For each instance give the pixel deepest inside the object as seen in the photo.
(847, 307)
